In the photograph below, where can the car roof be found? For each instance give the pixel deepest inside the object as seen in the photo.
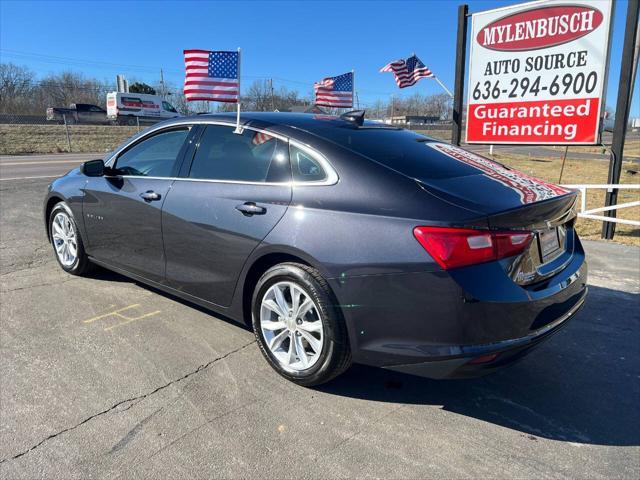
(317, 124)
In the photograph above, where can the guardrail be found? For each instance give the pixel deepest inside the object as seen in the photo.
(585, 213)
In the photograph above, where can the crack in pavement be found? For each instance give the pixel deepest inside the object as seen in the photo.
(124, 441)
(136, 399)
(37, 258)
(358, 431)
(202, 425)
(47, 284)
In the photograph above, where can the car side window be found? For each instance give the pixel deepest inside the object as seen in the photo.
(154, 157)
(167, 106)
(304, 167)
(248, 157)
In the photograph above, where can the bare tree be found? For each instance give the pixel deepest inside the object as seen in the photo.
(438, 105)
(378, 110)
(69, 87)
(175, 96)
(22, 93)
(16, 85)
(180, 103)
(262, 97)
(259, 96)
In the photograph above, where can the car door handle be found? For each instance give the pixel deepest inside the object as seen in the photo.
(249, 208)
(150, 195)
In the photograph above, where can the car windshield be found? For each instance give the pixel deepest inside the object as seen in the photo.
(402, 150)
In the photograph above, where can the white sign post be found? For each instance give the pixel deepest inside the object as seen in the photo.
(537, 73)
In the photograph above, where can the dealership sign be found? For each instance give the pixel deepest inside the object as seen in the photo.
(537, 72)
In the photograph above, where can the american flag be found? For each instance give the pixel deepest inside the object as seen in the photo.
(211, 76)
(335, 91)
(408, 72)
(260, 137)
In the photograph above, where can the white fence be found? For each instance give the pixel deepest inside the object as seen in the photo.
(584, 213)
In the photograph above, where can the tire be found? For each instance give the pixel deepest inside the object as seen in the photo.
(319, 326)
(63, 228)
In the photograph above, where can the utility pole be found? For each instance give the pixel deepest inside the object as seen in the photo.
(461, 59)
(392, 107)
(623, 105)
(273, 103)
(163, 90)
(636, 54)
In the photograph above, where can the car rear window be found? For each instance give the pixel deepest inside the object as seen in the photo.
(402, 150)
(251, 156)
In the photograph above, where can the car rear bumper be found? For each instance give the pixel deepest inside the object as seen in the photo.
(478, 360)
(435, 323)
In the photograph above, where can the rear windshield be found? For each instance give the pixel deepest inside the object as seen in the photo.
(402, 150)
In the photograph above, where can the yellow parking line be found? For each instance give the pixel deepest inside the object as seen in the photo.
(115, 312)
(129, 320)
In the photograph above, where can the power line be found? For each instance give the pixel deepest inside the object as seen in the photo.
(77, 61)
(60, 60)
(101, 87)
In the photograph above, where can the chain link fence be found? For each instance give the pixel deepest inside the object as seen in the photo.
(28, 134)
(24, 134)
(441, 131)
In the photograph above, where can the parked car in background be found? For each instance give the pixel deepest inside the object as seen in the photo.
(337, 240)
(78, 113)
(131, 108)
(608, 121)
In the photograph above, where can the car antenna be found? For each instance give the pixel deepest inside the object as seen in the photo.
(354, 116)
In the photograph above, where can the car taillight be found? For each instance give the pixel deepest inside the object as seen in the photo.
(459, 247)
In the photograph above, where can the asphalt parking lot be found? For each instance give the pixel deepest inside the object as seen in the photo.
(103, 377)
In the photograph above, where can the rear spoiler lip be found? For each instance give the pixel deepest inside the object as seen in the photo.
(538, 215)
(552, 211)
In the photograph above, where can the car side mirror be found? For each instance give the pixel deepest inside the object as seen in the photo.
(93, 168)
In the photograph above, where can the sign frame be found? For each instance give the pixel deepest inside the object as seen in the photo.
(528, 6)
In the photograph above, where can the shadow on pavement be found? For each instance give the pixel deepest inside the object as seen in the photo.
(100, 273)
(582, 386)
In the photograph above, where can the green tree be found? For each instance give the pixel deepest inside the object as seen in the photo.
(140, 87)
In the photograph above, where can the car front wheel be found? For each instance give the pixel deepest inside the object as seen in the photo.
(66, 241)
(298, 326)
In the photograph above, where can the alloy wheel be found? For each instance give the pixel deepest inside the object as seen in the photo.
(65, 239)
(291, 326)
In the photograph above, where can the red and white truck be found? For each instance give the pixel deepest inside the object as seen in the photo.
(131, 108)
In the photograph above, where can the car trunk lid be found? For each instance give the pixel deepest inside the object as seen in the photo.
(487, 186)
(512, 200)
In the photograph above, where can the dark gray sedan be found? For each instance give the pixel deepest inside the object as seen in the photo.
(338, 240)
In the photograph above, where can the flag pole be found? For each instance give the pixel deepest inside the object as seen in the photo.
(438, 80)
(353, 88)
(238, 130)
(443, 87)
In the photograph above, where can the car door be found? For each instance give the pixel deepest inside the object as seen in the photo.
(234, 192)
(122, 210)
(96, 115)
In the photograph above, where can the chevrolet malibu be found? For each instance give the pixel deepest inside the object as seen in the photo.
(336, 239)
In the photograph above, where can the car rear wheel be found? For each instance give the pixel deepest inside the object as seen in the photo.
(298, 327)
(66, 241)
